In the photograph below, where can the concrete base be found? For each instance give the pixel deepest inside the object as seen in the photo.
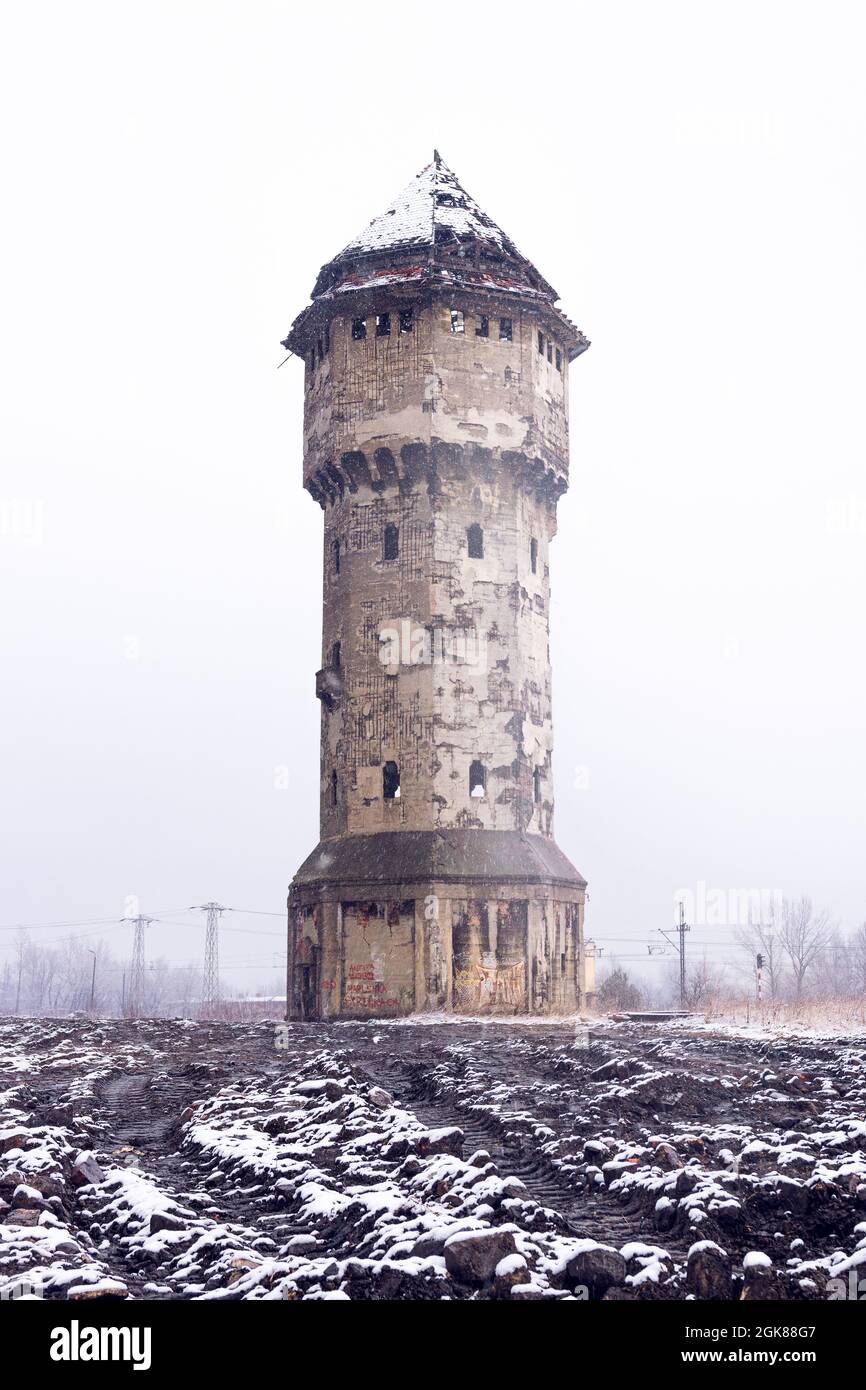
(473, 922)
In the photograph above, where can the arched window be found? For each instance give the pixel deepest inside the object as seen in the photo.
(335, 556)
(334, 787)
(477, 779)
(391, 542)
(390, 781)
(475, 538)
(536, 784)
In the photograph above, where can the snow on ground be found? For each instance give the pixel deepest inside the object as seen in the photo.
(475, 1159)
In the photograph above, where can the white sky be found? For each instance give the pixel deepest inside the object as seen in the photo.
(690, 178)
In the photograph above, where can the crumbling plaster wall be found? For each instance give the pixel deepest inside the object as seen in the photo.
(443, 949)
(371, 401)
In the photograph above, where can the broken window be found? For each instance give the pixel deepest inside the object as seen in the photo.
(406, 323)
(383, 325)
(536, 784)
(335, 556)
(533, 554)
(558, 360)
(390, 781)
(457, 324)
(482, 329)
(477, 779)
(475, 539)
(391, 542)
(334, 788)
(336, 653)
(505, 330)
(359, 328)
(541, 343)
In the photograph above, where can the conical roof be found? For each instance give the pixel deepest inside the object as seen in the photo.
(432, 234)
(434, 202)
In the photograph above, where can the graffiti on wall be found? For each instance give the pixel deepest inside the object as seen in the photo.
(489, 953)
(378, 958)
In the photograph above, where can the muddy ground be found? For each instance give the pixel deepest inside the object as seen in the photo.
(167, 1159)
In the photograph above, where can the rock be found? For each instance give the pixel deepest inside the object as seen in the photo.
(26, 1196)
(165, 1221)
(24, 1216)
(85, 1170)
(511, 1270)
(480, 1159)
(666, 1156)
(12, 1139)
(760, 1280)
(428, 1245)
(442, 1141)
(597, 1269)
(109, 1289)
(708, 1274)
(380, 1098)
(471, 1257)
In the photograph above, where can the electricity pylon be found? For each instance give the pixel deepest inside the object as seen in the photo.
(136, 974)
(210, 991)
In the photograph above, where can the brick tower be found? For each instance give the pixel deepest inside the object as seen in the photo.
(436, 444)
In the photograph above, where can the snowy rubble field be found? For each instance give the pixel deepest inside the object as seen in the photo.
(164, 1159)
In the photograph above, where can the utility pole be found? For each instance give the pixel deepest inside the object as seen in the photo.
(136, 974)
(92, 978)
(210, 992)
(680, 946)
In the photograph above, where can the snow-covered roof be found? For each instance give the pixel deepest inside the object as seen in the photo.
(433, 234)
(434, 198)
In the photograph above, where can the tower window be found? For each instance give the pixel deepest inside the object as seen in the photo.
(320, 350)
(475, 540)
(533, 554)
(328, 338)
(482, 328)
(312, 359)
(335, 557)
(549, 350)
(505, 330)
(406, 321)
(477, 779)
(558, 360)
(336, 655)
(507, 376)
(541, 343)
(390, 781)
(334, 787)
(536, 784)
(383, 325)
(391, 542)
(457, 323)
(359, 328)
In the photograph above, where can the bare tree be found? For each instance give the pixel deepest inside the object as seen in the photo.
(762, 938)
(803, 936)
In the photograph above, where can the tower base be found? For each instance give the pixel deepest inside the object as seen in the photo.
(462, 921)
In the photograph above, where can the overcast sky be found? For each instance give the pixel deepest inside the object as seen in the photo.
(690, 177)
